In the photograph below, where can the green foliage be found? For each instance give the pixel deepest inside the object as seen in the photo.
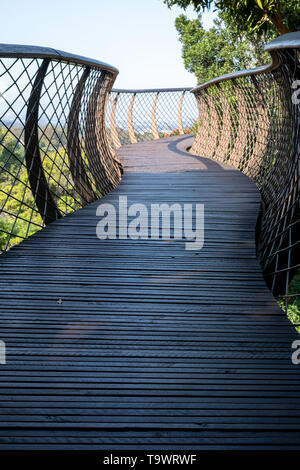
(293, 305)
(16, 200)
(19, 215)
(237, 39)
(11, 152)
(248, 16)
(267, 16)
(291, 14)
(219, 50)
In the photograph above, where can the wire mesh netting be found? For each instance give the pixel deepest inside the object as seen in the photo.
(60, 124)
(49, 109)
(252, 122)
(142, 115)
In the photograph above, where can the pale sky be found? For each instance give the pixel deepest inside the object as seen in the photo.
(136, 36)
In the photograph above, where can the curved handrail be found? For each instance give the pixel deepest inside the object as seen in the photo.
(58, 132)
(54, 153)
(287, 41)
(253, 123)
(20, 51)
(139, 115)
(241, 73)
(151, 90)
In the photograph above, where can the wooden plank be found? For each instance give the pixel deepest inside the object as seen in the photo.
(140, 344)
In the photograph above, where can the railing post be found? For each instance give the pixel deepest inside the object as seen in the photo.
(153, 118)
(179, 114)
(105, 169)
(36, 176)
(112, 123)
(131, 133)
(76, 165)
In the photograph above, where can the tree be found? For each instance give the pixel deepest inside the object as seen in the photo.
(221, 49)
(282, 16)
(10, 151)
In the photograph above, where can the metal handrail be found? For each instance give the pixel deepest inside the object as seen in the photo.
(139, 115)
(245, 118)
(26, 51)
(151, 90)
(287, 41)
(251, 120)
(55, 156)
(241, 73)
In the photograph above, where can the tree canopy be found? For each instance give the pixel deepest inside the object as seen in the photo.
(219, 50)
(237, 38)
(248, 16)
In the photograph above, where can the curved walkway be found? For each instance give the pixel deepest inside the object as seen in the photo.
(142, 344)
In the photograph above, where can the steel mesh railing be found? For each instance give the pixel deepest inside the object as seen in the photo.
(60, 123)
(142, 115)
(251, 120)
(54, 153)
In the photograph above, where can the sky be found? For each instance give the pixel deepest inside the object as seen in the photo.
(136, 36)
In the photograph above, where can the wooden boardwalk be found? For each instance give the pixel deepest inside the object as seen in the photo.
(123, 344)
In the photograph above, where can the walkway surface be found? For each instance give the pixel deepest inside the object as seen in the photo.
(123, 344)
